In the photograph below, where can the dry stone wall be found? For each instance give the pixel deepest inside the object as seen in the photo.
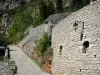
(7, 68)
(29, 42)
(77, 52)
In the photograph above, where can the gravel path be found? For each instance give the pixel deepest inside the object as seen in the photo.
(25, 65)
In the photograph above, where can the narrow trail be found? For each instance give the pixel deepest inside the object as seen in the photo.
(24, 64)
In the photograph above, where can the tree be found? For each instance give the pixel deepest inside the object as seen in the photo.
(59, 7)
(76, 5)
(46, 9)
(50, 8)
(86, 2)
(43, 10)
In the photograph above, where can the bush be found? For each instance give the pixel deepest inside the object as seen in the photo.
(43, 44)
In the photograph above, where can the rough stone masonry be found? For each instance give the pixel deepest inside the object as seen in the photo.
(76, 43)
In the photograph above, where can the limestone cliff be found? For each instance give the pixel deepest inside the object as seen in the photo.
(5, 7)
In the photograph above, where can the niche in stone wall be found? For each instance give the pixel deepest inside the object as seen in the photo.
(85, 46)
(60, 50)
(80, 70)
(75, 26)
(94, 56)
(81, 37)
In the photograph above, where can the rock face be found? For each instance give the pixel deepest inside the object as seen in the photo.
(7, 68)
(5, 7)
(8, 4)
(11, 4)
(6, 20)
(76, 43)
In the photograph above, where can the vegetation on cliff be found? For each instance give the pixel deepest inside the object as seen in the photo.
(22, 20)
(35, 12)
(27, 15)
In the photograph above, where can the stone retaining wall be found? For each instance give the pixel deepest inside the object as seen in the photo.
(29, 42)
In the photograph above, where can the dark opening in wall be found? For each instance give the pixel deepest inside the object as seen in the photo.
(81, 37)
(80, 70)
(60, 51)
(75, 26)
(85, 46)
(94, 56)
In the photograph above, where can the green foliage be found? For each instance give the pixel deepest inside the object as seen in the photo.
(23, 17)
(15, 37)
(50, 8)
(43, 10)
(46, 9)
(4, 41)
(76, 5)
(22, 20)
(37, 19)
(59, 6)
(44, 43)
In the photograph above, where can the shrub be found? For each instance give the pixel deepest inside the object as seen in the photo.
(43, 44)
